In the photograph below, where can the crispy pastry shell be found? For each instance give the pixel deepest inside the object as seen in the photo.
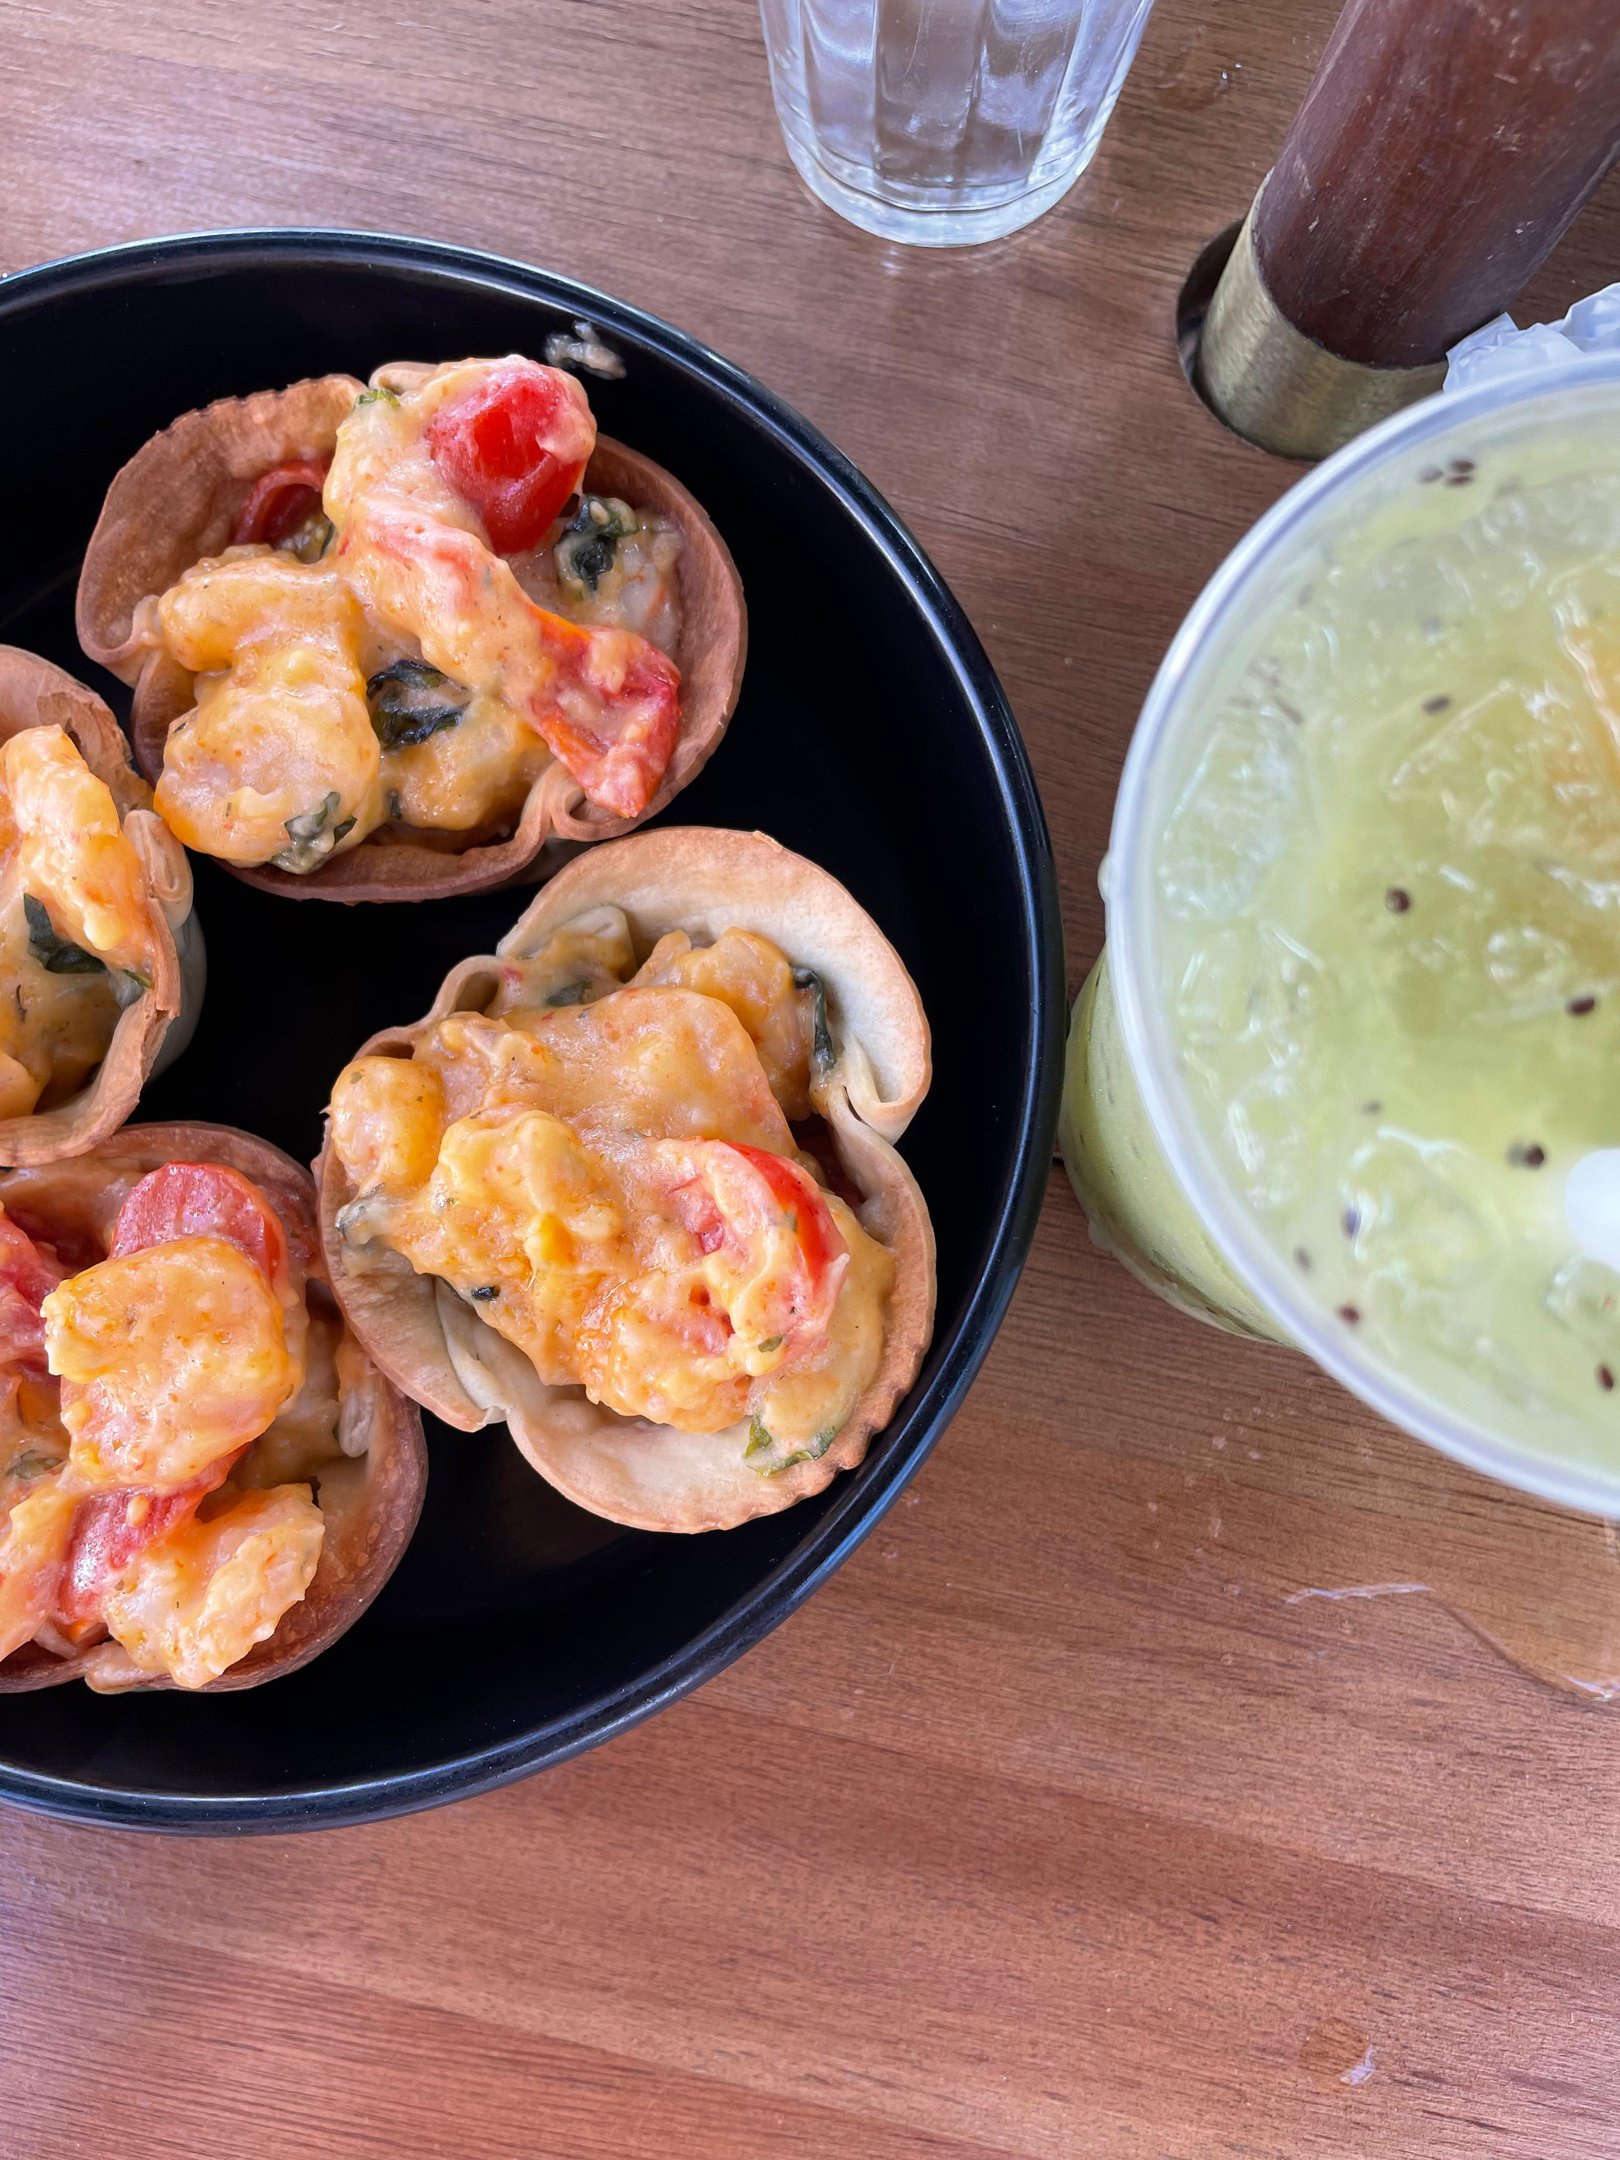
(177, 500)
(152, 1031)
(369, 1516)
(436, 1347)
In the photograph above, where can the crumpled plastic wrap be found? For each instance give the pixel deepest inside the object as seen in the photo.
(1501, 348)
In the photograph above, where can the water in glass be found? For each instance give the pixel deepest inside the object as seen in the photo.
(946, 121)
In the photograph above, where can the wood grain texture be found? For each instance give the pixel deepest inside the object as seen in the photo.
(1443, 148)
(1051, 1827)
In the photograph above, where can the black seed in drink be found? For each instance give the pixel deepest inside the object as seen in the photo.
(1429, 474)
(1397, 899)
(1351, 1220)
(1605, 1379)
(1579, 1007)
(1436, 704)
(1529, 1157)
(1350, 1315)
(1371, 1109)
(1302, 1260)
(1463, 465)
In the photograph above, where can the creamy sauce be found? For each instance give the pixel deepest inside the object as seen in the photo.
(412, 678)
(603, 1164)
(76, 931)
(182, 1429)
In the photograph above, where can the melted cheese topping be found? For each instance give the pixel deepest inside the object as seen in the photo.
(32, 1550)
(62, 847)
(170, 1358)
(285, 734)
(166, 1363)
(609, 1174)
(282, 759)
(194, 1602)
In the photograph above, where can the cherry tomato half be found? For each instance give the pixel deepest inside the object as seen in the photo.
(515, 444)
(734, 1196)
(189, 1199)
(27, 1276)
(280, 502)
(109, 1529)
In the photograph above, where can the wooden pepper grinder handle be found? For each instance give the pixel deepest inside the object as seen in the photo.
(1442, 150)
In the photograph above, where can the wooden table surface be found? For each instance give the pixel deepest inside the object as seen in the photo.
(1061, 1823)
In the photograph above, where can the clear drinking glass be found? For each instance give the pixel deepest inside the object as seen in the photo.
(942, 122)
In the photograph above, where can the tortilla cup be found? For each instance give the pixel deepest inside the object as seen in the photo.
(151, 1032)
(370, 1501)
(178, 499)
(435, 1346)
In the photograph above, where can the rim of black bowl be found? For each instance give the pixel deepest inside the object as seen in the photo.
(864, 1497)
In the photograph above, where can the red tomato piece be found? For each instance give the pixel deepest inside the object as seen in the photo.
(695, 1205)
(606, 702)
(622, 769)
(67, 1247)
(515, 445)
(27, 1277)
(24, 1266)
(189, 1199)
(736, 1196)
(109, 1529)
(280, 502)
(22, 1333)
(799, 1196)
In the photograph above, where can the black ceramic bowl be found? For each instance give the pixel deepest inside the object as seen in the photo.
(519, 1630)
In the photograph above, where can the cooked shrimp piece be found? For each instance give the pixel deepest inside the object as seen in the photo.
(71, 849)
(33, 1553)
(169, 1358)
(604, 701)
(195, 1601)
(279, 761)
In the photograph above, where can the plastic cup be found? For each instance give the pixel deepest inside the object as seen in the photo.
(1158, 1191)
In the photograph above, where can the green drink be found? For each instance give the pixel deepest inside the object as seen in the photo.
(1363, 1090)
(1135, 1206)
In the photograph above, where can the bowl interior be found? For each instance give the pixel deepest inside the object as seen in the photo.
(870, 735)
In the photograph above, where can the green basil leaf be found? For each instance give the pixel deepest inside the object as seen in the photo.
(764, 1453)
(821, 1042)
(310, 824)
(589, 546)
(56, 955)
(407, 703)
(381, 395)
(306, 832)
(311, 539)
